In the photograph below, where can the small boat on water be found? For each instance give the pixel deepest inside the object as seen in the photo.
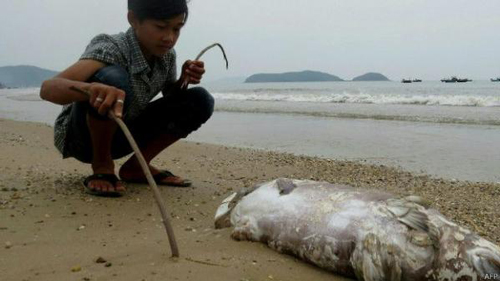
(495, 80)
(410, 80)
(454, 79)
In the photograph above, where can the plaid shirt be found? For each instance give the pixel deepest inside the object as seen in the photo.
(123, 50)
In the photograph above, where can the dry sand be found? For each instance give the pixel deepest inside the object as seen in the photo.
(51, 230)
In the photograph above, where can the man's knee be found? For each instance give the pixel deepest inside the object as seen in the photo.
(116, 76)
(203, 101)
(113, 75)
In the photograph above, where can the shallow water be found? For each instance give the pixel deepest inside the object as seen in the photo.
(450, 141)
(462, 152)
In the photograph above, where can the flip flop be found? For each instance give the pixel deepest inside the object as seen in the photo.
(111, 178)
(160, 180)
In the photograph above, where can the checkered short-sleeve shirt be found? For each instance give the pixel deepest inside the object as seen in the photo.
(123, 50)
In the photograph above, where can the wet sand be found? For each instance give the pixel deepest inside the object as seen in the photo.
(51, 230)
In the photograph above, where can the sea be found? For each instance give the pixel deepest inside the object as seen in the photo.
(445, 130)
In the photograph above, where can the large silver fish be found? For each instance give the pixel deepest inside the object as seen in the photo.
(368, 235)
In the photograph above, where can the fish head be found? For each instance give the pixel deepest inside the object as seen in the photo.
(281, 186)
(223, 213)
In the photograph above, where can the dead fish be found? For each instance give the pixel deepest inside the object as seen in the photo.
(368, 235)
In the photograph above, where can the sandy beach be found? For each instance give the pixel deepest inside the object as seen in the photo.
(51, 230)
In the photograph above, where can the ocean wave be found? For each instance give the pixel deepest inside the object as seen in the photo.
(436, 100)
(372, 116)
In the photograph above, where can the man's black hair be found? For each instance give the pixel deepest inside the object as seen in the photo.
(158, 9)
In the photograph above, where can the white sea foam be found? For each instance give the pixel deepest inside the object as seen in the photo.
(362, 98)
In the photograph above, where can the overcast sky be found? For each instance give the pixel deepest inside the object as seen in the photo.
(429, 39)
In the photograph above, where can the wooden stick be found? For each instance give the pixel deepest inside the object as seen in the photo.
(185, 82)
(149, 176)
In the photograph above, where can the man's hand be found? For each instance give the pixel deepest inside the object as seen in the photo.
(104, 97)
(192, 72)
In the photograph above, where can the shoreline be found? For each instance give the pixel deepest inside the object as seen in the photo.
(51, 227)
(450, 151)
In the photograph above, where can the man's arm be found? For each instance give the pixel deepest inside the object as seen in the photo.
(57, 89)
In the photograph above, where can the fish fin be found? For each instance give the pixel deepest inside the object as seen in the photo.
(398, 211)
(409, 214)
(370, 270)
(285, 186)
(416, 220)
(412, 214)
(375, 261)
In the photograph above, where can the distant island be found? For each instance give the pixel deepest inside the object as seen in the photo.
(2, 86)
(24, 76)
(303, 76)
(371, 76)
(310, 76)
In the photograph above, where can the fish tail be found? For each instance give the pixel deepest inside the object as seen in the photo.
(486, 261)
